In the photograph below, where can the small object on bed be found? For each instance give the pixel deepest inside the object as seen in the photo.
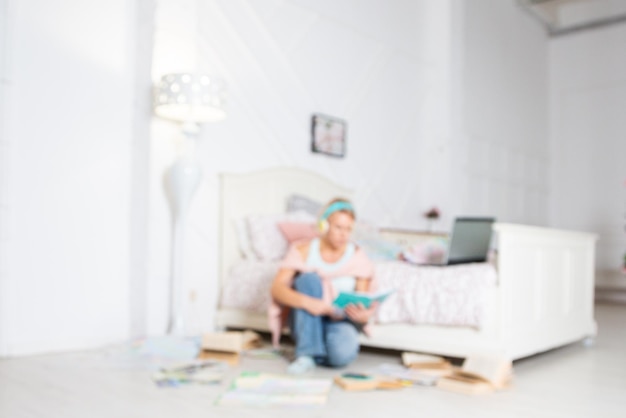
(430, 251)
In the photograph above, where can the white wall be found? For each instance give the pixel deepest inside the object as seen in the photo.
(446, 105)
(382, 66)
(69, 97)
(141, 41)
(3, 167)
(503, 156)
(588, 103)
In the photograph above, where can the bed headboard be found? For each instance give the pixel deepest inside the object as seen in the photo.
(264, 192)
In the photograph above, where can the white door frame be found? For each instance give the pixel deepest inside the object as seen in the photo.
(4, 42)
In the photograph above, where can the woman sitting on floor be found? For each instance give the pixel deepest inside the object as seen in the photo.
(310, 277)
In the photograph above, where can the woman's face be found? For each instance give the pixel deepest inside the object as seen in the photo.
(339, 229)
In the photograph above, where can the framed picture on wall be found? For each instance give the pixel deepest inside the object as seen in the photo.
(328, 135)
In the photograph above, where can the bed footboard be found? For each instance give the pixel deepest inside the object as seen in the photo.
(546, 284)
(543, 300)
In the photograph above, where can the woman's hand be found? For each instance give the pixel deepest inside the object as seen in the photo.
(318, 307)
(360, 314)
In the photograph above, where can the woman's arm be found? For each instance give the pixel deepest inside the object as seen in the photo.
(283, 293)
(362, 285)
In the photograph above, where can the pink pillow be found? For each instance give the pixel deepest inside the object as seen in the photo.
(296, 231)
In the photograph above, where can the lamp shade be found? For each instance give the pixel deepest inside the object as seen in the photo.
(188, 97)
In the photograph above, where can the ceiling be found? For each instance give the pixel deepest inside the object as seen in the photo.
(561, 17)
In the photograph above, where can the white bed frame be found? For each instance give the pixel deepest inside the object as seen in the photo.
(543, 300)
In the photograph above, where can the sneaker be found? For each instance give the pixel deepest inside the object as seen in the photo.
(301, 365)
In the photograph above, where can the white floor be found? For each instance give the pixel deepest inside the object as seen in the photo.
(573, 381)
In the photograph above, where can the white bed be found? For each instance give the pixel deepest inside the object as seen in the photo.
(543, 298)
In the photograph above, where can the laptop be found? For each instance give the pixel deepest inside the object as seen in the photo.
(469, 242)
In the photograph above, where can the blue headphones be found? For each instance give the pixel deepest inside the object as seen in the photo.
(334, 207)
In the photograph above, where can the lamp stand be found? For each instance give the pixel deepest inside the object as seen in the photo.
(182, 179)
(190, 98)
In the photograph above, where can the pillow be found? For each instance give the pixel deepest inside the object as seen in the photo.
(296, 231)
(299, 203)
(243, 239)
(267, 242)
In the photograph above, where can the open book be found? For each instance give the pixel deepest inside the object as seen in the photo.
(427, 364)
(357, 381)
(481, 373)
(366, 299)
(227, 345)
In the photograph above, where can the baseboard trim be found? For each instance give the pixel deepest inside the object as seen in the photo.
(612, 295)
(610, 279)
(48, 347)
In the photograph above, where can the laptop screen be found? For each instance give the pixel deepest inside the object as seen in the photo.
(470, 240)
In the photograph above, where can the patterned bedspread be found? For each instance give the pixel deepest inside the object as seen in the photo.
(453, 295)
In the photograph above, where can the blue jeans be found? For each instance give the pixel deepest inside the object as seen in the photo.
(330, 343)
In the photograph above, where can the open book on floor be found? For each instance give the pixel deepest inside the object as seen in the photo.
(358, 381)
(226, 346)
(366, 299)
(427, 364)
(480, 373)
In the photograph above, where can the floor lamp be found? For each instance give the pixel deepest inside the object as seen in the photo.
(189, 99)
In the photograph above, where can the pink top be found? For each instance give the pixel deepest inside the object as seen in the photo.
(357, 266)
